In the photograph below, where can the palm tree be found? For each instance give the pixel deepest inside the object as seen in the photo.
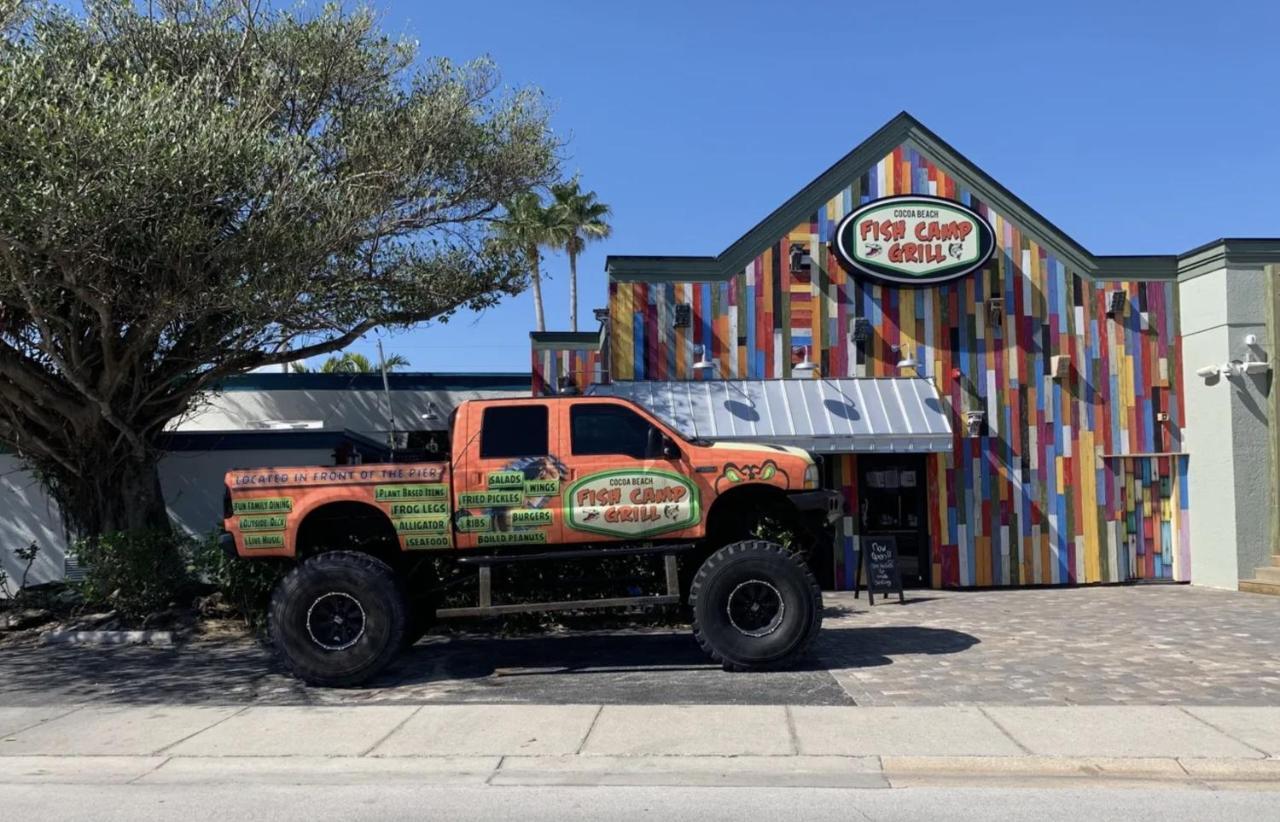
(349, 362)
(582, 218)
(531, 226)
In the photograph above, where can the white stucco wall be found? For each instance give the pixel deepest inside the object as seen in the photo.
(364, 412)
(28, 515)
(1227, 429)
(192, 484)
(192, 480)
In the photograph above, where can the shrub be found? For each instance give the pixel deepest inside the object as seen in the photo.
(245, 585)
(135, 572)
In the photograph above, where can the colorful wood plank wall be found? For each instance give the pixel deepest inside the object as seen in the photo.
(550, 363)
(1060, 487)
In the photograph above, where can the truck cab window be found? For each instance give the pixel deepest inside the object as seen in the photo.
(514, 431)
(609, 429)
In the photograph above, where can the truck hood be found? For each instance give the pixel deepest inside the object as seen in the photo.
(761, 448)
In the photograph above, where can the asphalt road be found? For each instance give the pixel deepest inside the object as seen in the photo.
(194, 803)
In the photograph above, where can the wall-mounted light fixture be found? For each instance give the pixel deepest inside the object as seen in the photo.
(906, 362)
(702, 363)
(601, 314)
(973, 421)
(995, 311)
(432, 414)
(800, 259)
(567, 385)
(805, 365)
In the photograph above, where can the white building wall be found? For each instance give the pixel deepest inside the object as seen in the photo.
(192, 480)
(28, 515)
(364, 412)
(1227, 430)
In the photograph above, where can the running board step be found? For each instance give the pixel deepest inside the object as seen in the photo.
(578, 553)
(487, 608)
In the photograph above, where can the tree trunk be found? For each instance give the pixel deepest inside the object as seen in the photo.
(136, 501)
(573, 290)
(536, 277)
(112, 493)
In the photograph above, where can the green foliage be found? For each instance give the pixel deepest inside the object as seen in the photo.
(245, 584)
(191, 189)
(134, 572)
(529, 226)
(580, 217)
(351, 362)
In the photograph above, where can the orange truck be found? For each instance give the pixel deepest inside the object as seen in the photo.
(541, 480)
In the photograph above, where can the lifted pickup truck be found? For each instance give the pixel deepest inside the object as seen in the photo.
(535, 480)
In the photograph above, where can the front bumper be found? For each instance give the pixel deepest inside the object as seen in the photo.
(822, 501)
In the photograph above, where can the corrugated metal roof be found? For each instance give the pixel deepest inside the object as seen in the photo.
(825, 416)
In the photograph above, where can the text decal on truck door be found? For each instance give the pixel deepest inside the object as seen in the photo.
(631, 503)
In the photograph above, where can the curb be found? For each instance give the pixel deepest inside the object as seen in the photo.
(889, 772)
(105, 638)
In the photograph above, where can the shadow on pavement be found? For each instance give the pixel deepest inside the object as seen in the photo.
(867, 647)
(649, 667)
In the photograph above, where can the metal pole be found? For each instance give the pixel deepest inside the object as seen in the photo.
(386, 392)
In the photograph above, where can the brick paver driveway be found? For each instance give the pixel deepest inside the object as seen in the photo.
(1095, 646)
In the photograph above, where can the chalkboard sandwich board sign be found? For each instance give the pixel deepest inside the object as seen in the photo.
(879, 563)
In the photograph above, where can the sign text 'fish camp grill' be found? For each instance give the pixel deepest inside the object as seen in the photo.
(914, 240)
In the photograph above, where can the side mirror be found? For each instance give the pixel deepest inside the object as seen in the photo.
(660, 446)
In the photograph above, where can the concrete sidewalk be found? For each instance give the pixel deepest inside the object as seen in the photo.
(634, 745)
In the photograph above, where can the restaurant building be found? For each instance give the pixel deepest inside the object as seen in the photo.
(1011, 407)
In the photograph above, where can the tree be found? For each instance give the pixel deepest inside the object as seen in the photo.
(351, 362)
(582, 218)
(530, 226)
(192, 189)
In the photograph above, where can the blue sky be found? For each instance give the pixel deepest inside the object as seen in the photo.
(1136, 127)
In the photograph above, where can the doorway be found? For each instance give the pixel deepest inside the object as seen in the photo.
(892, 500)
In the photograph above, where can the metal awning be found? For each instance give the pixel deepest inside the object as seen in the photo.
(825, 416)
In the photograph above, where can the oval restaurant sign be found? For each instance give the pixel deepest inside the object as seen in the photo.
(914, 239)
(631, 503)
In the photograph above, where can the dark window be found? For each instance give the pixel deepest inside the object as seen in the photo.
(514, 431)
(610, 429)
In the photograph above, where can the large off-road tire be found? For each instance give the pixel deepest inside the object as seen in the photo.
(338, 618)
(755, 606)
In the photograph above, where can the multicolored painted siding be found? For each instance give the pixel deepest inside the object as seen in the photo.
(1071, 478)
(550, 363)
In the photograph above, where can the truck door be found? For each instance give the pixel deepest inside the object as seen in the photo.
(628, 478)
(508, 490)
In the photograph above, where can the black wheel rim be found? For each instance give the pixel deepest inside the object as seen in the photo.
(336, 621)
(755, 608)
